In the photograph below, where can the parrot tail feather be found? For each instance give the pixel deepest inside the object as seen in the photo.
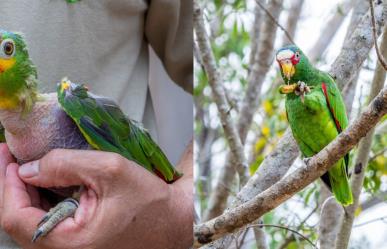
(340, 186)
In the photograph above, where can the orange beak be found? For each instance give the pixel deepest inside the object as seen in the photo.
(288, 68)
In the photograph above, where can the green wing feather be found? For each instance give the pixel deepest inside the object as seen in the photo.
(337, 109)
(338, 174)
(106, 128)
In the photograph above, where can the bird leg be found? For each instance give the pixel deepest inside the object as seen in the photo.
(57, 214)
(301, 89)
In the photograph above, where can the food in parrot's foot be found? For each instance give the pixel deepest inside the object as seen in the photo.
(301, 89)
(56, 214)
(286, 89)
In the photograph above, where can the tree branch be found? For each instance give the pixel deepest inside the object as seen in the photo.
(296, 181)
(332, 212)
(380, 56)
(361, 160)
(250, 103)
(359, 45)
(274, 19)
(218, 92)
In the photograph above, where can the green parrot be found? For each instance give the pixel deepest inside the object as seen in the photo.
(316, 113)
(72, 118)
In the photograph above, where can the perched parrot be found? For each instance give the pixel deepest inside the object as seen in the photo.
(316, 114)
(71, 118)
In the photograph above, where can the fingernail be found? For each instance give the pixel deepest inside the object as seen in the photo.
(30, 169)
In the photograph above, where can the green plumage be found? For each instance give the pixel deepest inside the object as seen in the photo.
(106, 128)
(318, 120)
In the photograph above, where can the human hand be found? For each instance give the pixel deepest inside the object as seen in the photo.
(124, 205)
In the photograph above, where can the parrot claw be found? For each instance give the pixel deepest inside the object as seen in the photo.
(301, 90)
(57, 214)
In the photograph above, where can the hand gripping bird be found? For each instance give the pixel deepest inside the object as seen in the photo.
(316, 114)
(72, 118)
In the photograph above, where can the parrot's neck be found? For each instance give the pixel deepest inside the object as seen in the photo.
(19, 100)
(310, 75)
(17, 120)
(17, 105)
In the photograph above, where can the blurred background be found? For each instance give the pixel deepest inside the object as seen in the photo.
(319, 28)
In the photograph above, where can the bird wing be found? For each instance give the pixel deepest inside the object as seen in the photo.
(337, 109)
(106, 128)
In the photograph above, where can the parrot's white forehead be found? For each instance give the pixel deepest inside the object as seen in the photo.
(285, 54)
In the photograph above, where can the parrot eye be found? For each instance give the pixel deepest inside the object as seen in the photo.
(297, 55)
(7, 48)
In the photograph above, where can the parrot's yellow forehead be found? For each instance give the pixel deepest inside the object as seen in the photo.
(285, 54)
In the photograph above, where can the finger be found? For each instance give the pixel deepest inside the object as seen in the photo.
(19, 219)
(5, 159)
(64, 168)
(17, 205)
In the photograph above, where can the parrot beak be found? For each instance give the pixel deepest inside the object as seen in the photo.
(288, 68)
(6, 64)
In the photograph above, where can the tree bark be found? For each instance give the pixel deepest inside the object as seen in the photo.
(263, 59)
(330, 215)
(361, 159)
(358, 46)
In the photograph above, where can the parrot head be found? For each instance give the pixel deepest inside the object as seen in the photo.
(293, 63)
(18, 77)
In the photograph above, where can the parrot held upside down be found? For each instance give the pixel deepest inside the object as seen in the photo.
(72, 118)
(316, 114)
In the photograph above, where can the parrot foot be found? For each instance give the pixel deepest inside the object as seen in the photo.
(56, 214)
(301, 90)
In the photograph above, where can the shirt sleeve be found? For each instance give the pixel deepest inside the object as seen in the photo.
(168, 29)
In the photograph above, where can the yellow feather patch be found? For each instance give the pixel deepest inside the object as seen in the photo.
(6, 64)
(6, 103)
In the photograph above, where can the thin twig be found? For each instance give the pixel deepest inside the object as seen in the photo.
(379, 153)
(283, 227)
(384, 219)
(275, 21)
(291, 237)
(379, 55)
